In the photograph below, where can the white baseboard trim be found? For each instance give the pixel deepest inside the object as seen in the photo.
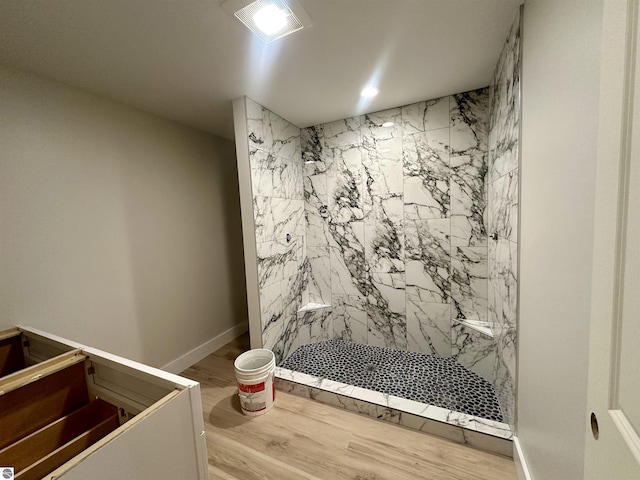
(519, 460)
(207, 348)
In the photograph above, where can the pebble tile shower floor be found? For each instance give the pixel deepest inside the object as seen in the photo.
(424, 378)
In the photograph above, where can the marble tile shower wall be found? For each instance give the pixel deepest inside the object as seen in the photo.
(504, 125)
(395, 226)
(278, 210)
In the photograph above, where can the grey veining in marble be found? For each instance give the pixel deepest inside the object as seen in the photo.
(281, 138)
(274, 176)
(391, 225)
(504, 123)
(349, 318)
(503, 215)
(279, 219)
(469, 289)
(425, 116)
(319, 275)
(468, 200)
(384, 238)
(386, 311)
(312, 147)
(277, 260)
(469, 122)
(429, 328)
(316, 210)
(345, 185)
(473, 350)
(503, 211)
(276, 217)
(427, 175)
(428, 264)
(314, 326)
(382, 216)
(342, 132)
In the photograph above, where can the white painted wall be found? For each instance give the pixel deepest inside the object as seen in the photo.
(560, 89)
(248, 223)
(118, 229)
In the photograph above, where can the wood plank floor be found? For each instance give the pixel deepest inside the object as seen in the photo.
(303, 439)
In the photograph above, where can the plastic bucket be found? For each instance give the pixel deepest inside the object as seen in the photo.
(256, 387)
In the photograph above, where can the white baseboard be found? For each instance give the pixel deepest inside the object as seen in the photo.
(519, 460)
(207, 348)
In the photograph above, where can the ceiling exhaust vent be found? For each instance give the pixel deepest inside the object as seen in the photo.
(269, 19)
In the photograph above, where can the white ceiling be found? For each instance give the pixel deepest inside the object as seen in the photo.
(187, 59)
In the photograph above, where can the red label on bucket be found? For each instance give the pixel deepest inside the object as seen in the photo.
(258, 387)
(259, 409)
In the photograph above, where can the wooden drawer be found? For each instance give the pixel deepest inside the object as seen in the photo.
(60, 415)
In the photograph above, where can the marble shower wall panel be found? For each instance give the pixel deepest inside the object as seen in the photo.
(469, 127)
(386, 311)
(425, 116)
(504, 372)
(313, 326)
(316, 211)
(312, 148)
(469, 122)
(279, 216)
(399, 199)
(473, 349)
(272, 316)
(316, 193)
(427, 175)
(345, 186)
(469, 290)
(503, 285)
(428, 265)
(349, 318)
(281, 138)
(503, 215)
(429, 328)
(291, 291)
(384, 238)
(318, 275)
(504, 124)
(468, 201)
(277, 261)
(383, 190)
(273, 176)
(503, 291)
(396, 195)
(504, 138)
(349, 275)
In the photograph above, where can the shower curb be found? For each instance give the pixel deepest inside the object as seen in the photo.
(476, 432)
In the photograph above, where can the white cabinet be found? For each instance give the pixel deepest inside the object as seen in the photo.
(72, 412)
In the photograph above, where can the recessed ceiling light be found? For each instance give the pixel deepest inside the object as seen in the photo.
(388, 124)
(269, 19)
(369, 92)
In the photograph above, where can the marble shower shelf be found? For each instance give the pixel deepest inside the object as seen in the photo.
(309, 307)
(477, 325)
(476, 432)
